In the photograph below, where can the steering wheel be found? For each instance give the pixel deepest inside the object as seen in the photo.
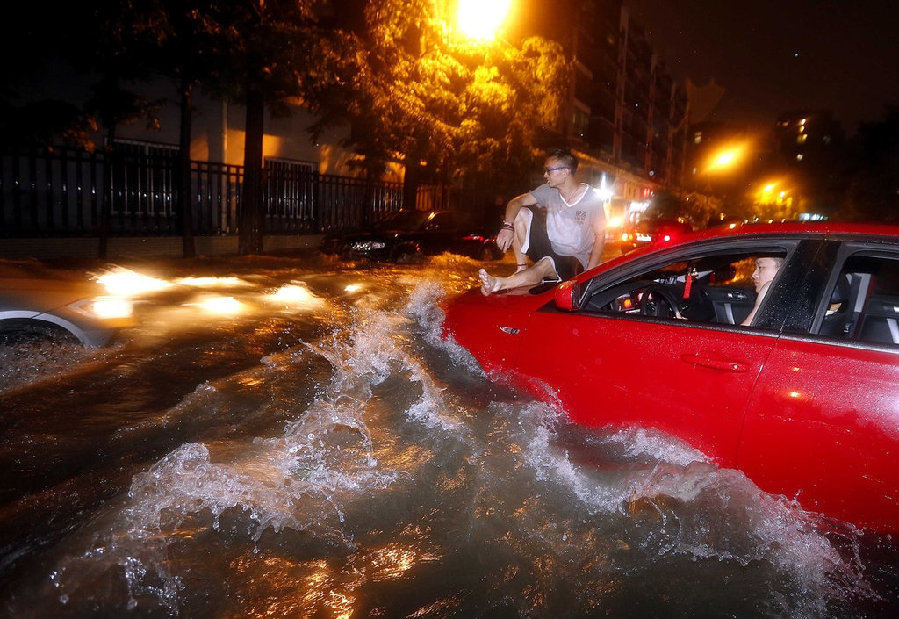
(660, 302)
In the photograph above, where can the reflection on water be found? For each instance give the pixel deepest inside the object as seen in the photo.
(344, 461)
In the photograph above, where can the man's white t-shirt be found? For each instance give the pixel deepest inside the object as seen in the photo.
(570, 226)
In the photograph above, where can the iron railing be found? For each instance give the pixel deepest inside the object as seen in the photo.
(78, 193)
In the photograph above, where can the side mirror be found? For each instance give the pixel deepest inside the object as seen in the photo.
(568, 295)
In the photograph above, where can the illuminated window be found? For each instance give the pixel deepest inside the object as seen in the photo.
(697, 137)
(801, 138)
(799, 157)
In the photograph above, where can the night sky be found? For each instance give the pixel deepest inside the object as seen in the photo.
(774, 56)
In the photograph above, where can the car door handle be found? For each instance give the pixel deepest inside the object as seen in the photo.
(715, 364)
(510, 330)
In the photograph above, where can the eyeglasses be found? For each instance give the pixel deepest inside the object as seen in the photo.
(548, 170)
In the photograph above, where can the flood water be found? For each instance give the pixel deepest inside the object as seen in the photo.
(329, 455)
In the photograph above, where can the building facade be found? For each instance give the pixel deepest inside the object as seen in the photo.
(624, 116)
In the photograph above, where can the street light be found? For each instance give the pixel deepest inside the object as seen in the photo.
(481, 19)
(724, 160)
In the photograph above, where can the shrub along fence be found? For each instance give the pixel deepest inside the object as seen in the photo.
(70, 193)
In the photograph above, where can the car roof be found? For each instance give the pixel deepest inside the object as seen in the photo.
(796, 228)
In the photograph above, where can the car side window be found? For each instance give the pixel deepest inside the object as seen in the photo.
(714, 289)
(863, 302)
(442, 221)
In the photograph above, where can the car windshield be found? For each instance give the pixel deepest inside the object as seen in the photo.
(403, 220)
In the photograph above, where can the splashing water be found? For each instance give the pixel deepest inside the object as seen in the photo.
(406, 484)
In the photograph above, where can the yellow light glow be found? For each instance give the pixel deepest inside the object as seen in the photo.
(769, 187)
(211, 282)
(292, 294)
(221, 305)
(112, 307)
(353, 288)
(480, 19)
(724, 159)
(616, 222)
(127, 283)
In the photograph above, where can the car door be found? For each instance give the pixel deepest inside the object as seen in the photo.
(689, 378)
(822, 425)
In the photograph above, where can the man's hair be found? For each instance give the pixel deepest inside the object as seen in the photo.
(565, 157)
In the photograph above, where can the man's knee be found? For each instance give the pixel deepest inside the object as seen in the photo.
(545, 267)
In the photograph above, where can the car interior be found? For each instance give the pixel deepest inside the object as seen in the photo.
(711, 289)
(718, 289)
(864, 301)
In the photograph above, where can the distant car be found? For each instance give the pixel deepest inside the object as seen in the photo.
(805, 401)
(406, 235)
(648, 231)
(40, 302)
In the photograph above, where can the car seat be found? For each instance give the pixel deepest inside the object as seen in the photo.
(848, 298)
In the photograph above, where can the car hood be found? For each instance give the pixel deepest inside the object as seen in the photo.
(486, 325)
(43, 294)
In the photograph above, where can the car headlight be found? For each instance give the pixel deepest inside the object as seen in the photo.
(112, 307)
(105, 308)
(368, 245)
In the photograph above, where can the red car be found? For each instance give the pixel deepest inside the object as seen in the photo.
(805, 401)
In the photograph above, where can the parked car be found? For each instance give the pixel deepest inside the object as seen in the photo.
(407, 235)
(55, 304)
(648, 231)
(805, 401)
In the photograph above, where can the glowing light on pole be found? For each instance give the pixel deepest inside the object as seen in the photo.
(480, 19)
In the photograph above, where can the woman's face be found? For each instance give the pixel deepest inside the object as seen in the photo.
(765, 270)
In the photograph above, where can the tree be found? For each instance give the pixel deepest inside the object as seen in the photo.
(266, 53)
(693, 207)
(446, 110)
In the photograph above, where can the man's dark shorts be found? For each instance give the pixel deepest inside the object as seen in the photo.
(539, 246)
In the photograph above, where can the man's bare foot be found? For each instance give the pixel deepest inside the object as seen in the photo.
(489, 284)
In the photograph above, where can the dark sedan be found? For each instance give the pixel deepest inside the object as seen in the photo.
(804, 400)
(407, 235)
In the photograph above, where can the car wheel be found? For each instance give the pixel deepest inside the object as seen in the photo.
(20, 331)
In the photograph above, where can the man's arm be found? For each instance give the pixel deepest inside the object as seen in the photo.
(506, 234)
(599, 238)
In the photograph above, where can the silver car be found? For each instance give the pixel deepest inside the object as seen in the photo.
(58, 304)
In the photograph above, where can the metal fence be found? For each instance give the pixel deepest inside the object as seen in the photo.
(79, 193)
